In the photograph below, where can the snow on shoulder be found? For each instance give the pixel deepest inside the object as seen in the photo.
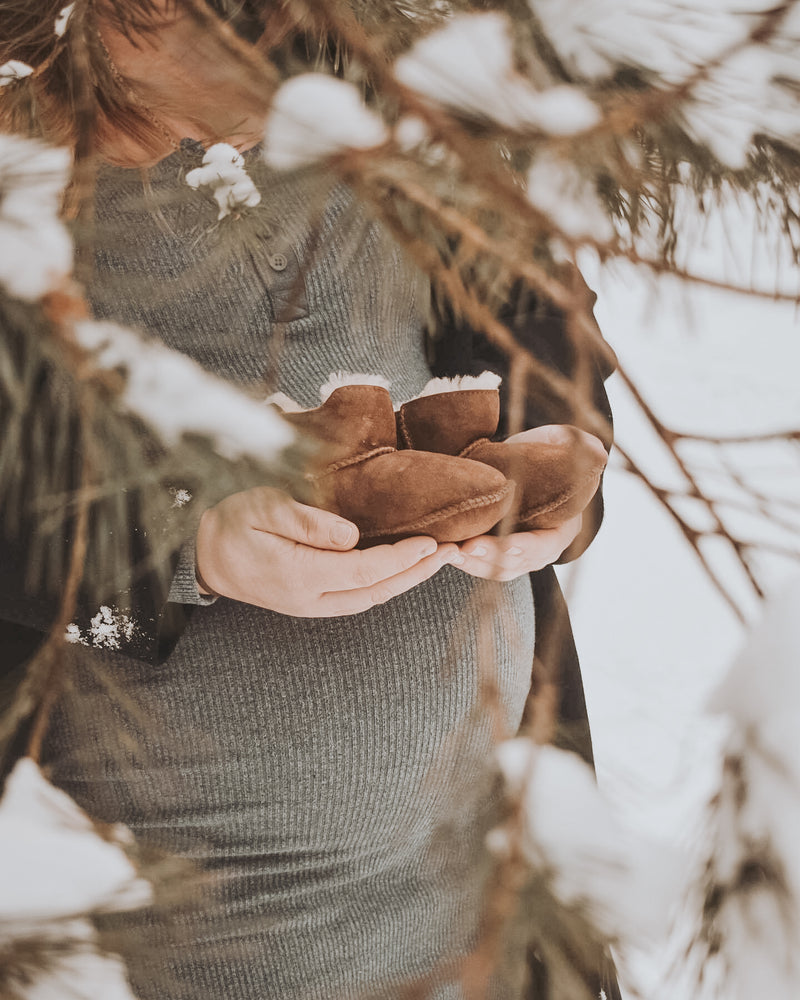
(468, 65)
(314, 116)
(224, 172)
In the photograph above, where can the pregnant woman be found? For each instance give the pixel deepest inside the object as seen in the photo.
(319, 736)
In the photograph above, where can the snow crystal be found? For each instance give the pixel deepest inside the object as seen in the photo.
(180, 497)
(557, 188)
(74, 635)
(14, 70)
(110, 628)
(468, 65)
(174, 395)
(314, 116)
(223, 170)
(570, 831)
(35, 247)
(62, 21)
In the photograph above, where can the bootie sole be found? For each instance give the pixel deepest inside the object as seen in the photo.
(450, 524)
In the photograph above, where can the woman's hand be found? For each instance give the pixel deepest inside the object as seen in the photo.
(262, 547)
(506, 557)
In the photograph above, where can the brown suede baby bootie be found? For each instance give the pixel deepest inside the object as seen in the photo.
(359, 474)
(555, 481)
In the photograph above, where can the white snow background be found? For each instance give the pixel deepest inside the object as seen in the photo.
(653, 635)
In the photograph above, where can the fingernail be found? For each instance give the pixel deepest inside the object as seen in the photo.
(342, 533)
(455, 558)
(427, 549)
(514, 551)
(479, 550)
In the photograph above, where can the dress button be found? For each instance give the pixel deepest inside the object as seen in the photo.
(278, 261)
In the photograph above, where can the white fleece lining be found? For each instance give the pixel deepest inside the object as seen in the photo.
(284, 402)
(486, 380)
(337, 379)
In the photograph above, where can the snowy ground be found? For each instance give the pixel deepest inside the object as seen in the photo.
(653, 634)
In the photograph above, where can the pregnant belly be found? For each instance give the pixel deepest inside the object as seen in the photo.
(269, 735)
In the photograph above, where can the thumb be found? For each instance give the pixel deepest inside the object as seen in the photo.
(311, 526)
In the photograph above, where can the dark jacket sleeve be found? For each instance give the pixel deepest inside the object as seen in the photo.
(456, 348)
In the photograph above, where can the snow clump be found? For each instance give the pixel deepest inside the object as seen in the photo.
(314, 116)
(109, 628)
(35, 247)
(743, 92)
(174, 395)
(54, 867)
(14, 70)
(625, 885)
(468, 65)
(561, 192)
(62, 21)
(668, 38)
(749, 909)
(223, 170)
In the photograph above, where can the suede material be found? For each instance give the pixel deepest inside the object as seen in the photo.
(555, 482)
(448, 422)
(354, 420)
(359, 474)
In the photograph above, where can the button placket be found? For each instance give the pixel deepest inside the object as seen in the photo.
(282, 275)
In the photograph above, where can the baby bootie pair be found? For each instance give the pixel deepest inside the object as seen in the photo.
(431, 468)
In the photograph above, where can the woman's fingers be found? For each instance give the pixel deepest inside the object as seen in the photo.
(364, 568)
(351, 602)
(262, 547)
(505, 558)
(279, 514)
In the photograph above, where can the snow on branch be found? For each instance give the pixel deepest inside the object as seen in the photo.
(625, 885)
(35, 247)
(314, 116)
(175, 396)
(468, 66)
(56, 871)
(748, 911)
(14, 70)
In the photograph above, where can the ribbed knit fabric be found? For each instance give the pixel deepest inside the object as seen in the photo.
(334, 775)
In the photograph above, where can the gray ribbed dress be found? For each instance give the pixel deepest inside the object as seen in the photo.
(334, 775)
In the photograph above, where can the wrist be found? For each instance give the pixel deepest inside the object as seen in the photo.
(204, 588)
